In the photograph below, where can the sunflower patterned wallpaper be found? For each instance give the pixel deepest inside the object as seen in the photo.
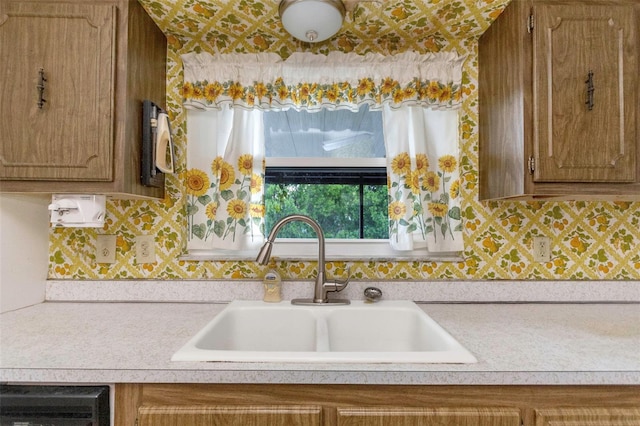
(590, 240)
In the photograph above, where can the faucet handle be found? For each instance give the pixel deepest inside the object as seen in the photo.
(372, 294)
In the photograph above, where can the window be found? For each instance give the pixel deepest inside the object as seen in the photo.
(348, 202)
(230, 98)
(327, 165)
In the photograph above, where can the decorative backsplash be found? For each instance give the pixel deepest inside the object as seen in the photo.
(589, 240)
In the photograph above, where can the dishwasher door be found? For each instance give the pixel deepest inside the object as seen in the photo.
(36, 405)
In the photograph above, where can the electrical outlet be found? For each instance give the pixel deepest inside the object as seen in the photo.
(541, 249)
(106, 249)
(145, 249)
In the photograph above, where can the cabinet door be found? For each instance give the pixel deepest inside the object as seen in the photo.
(588, 417)
(230, 416)
(70, 135)
(371, 416)
(584, 87)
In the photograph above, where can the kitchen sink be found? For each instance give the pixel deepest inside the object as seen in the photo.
(382, 332)
(385, 329)
(260, 328)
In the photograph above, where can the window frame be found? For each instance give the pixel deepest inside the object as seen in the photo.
(340, 250)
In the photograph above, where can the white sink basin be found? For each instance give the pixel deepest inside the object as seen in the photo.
(386, 331)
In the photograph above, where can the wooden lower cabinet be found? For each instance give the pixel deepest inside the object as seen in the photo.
(588, 417)
(272, 415)
(374, 405)
(373, 416)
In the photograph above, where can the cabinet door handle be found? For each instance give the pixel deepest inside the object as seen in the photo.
(40, 87)
(590, 90)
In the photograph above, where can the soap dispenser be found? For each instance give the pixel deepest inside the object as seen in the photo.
(272, 284)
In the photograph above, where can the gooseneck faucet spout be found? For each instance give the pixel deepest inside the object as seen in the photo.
(322, 287)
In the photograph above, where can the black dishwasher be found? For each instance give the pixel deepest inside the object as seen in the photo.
(35, 405)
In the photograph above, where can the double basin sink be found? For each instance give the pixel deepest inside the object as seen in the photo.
(382, 332)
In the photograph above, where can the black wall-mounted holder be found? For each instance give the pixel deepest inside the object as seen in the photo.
(149, 172)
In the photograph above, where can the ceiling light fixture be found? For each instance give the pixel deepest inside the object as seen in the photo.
(312, 21)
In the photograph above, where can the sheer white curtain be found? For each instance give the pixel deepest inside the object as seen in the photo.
(424, 179)
(225, 179)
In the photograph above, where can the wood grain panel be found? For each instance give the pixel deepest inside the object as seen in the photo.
(513, 103)
(389, 395)
(371, 416)
(230, 416)
(127, 400)
(139, 72)
(145, 78)
(588, 417)
(70, 137)
(349, 400)
(574, 142)
(504, 61)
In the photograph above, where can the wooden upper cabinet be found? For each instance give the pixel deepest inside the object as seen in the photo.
(375, 416)
(584, 77)
(73, 78)
(57, 110)
(587, 417)
(558, 101)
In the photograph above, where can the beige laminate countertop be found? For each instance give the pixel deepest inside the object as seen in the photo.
(133, 342)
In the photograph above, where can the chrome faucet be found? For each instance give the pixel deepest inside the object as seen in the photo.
(322, 287)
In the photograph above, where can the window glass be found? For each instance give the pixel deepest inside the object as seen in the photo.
(322, 134)
(349, 203)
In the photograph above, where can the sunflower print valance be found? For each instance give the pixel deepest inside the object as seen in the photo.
(307, 81)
